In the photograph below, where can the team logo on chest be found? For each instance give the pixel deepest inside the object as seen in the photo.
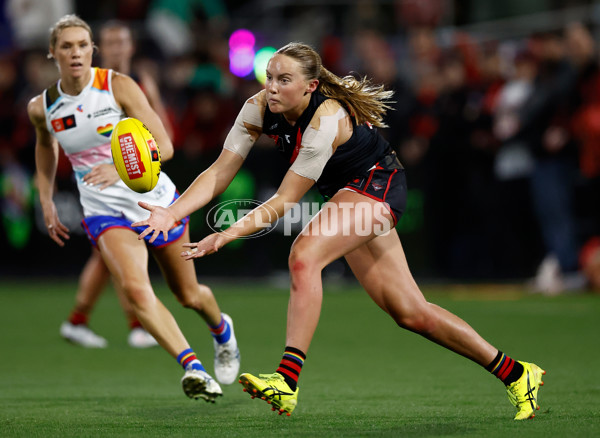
(63, 123)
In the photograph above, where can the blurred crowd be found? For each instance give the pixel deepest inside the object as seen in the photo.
(500, 138)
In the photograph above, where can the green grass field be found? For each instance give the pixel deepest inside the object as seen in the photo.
(363, 376)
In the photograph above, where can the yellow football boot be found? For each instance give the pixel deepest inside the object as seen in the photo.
(273, 389)
(523, 392)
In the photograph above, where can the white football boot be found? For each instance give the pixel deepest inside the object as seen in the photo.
(227, 357)
(140, 338)
(81, 334)
(199, 384)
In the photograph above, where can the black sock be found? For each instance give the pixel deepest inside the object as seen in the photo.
(291, 365)
(505, 368)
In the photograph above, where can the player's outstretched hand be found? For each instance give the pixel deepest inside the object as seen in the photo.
(160, 221)
(209, 245)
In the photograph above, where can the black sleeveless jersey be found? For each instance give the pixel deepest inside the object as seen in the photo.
(364, 148)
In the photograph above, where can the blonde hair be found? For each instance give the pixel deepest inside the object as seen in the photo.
(70, 20)
(366, 101)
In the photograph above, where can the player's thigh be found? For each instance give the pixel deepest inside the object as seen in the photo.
(346, 222)
(125, 256)
(97, 262)
(381, 268)
(179, 273)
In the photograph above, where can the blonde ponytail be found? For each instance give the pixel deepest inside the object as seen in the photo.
(366, 101)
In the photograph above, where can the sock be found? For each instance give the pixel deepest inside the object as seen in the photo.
(221, 332)
(188, 360)
(77, 318)
(135, 323)
(291, 365)
(505, 368)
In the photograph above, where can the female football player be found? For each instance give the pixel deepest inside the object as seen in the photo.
(323, 126)
(79, 112)
(116, 48)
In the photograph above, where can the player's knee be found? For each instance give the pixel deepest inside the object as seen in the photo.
(300, 263)
(303, 259)
(193, 297)
(140, 296)
(419, 321)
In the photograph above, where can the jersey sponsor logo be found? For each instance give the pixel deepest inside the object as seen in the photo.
(376, 186)
(63, 123)
(287, 137)
(131, 157)
(105, 130)
(153, 149)
(80, 108)
(103, 112)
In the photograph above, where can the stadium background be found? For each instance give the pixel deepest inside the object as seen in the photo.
(463, 221)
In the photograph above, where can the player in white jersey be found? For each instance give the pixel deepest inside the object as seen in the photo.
(116, 49)
(80, 112)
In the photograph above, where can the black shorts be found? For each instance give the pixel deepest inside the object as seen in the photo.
(384, 182)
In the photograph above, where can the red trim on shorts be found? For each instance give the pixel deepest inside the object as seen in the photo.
(87, 231)
(389, 183)
(369, 180)
(95, 240)
(385, 204)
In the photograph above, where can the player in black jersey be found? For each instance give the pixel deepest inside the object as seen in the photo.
(323, 126)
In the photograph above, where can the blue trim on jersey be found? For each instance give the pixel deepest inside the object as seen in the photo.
(49, 109)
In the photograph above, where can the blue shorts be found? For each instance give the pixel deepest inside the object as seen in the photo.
(94, 226)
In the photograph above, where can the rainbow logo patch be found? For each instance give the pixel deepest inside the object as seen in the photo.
(105, 130)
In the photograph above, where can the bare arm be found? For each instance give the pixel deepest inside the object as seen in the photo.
(210, 183)
(329, 127)
(46, 160)
(290, 192)
(132, 99)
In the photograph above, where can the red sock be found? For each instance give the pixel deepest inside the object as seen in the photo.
(78, 318)
(135, 323)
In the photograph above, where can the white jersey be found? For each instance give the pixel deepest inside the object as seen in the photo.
(83, 125)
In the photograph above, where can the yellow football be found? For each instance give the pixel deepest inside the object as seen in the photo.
(135, 154)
